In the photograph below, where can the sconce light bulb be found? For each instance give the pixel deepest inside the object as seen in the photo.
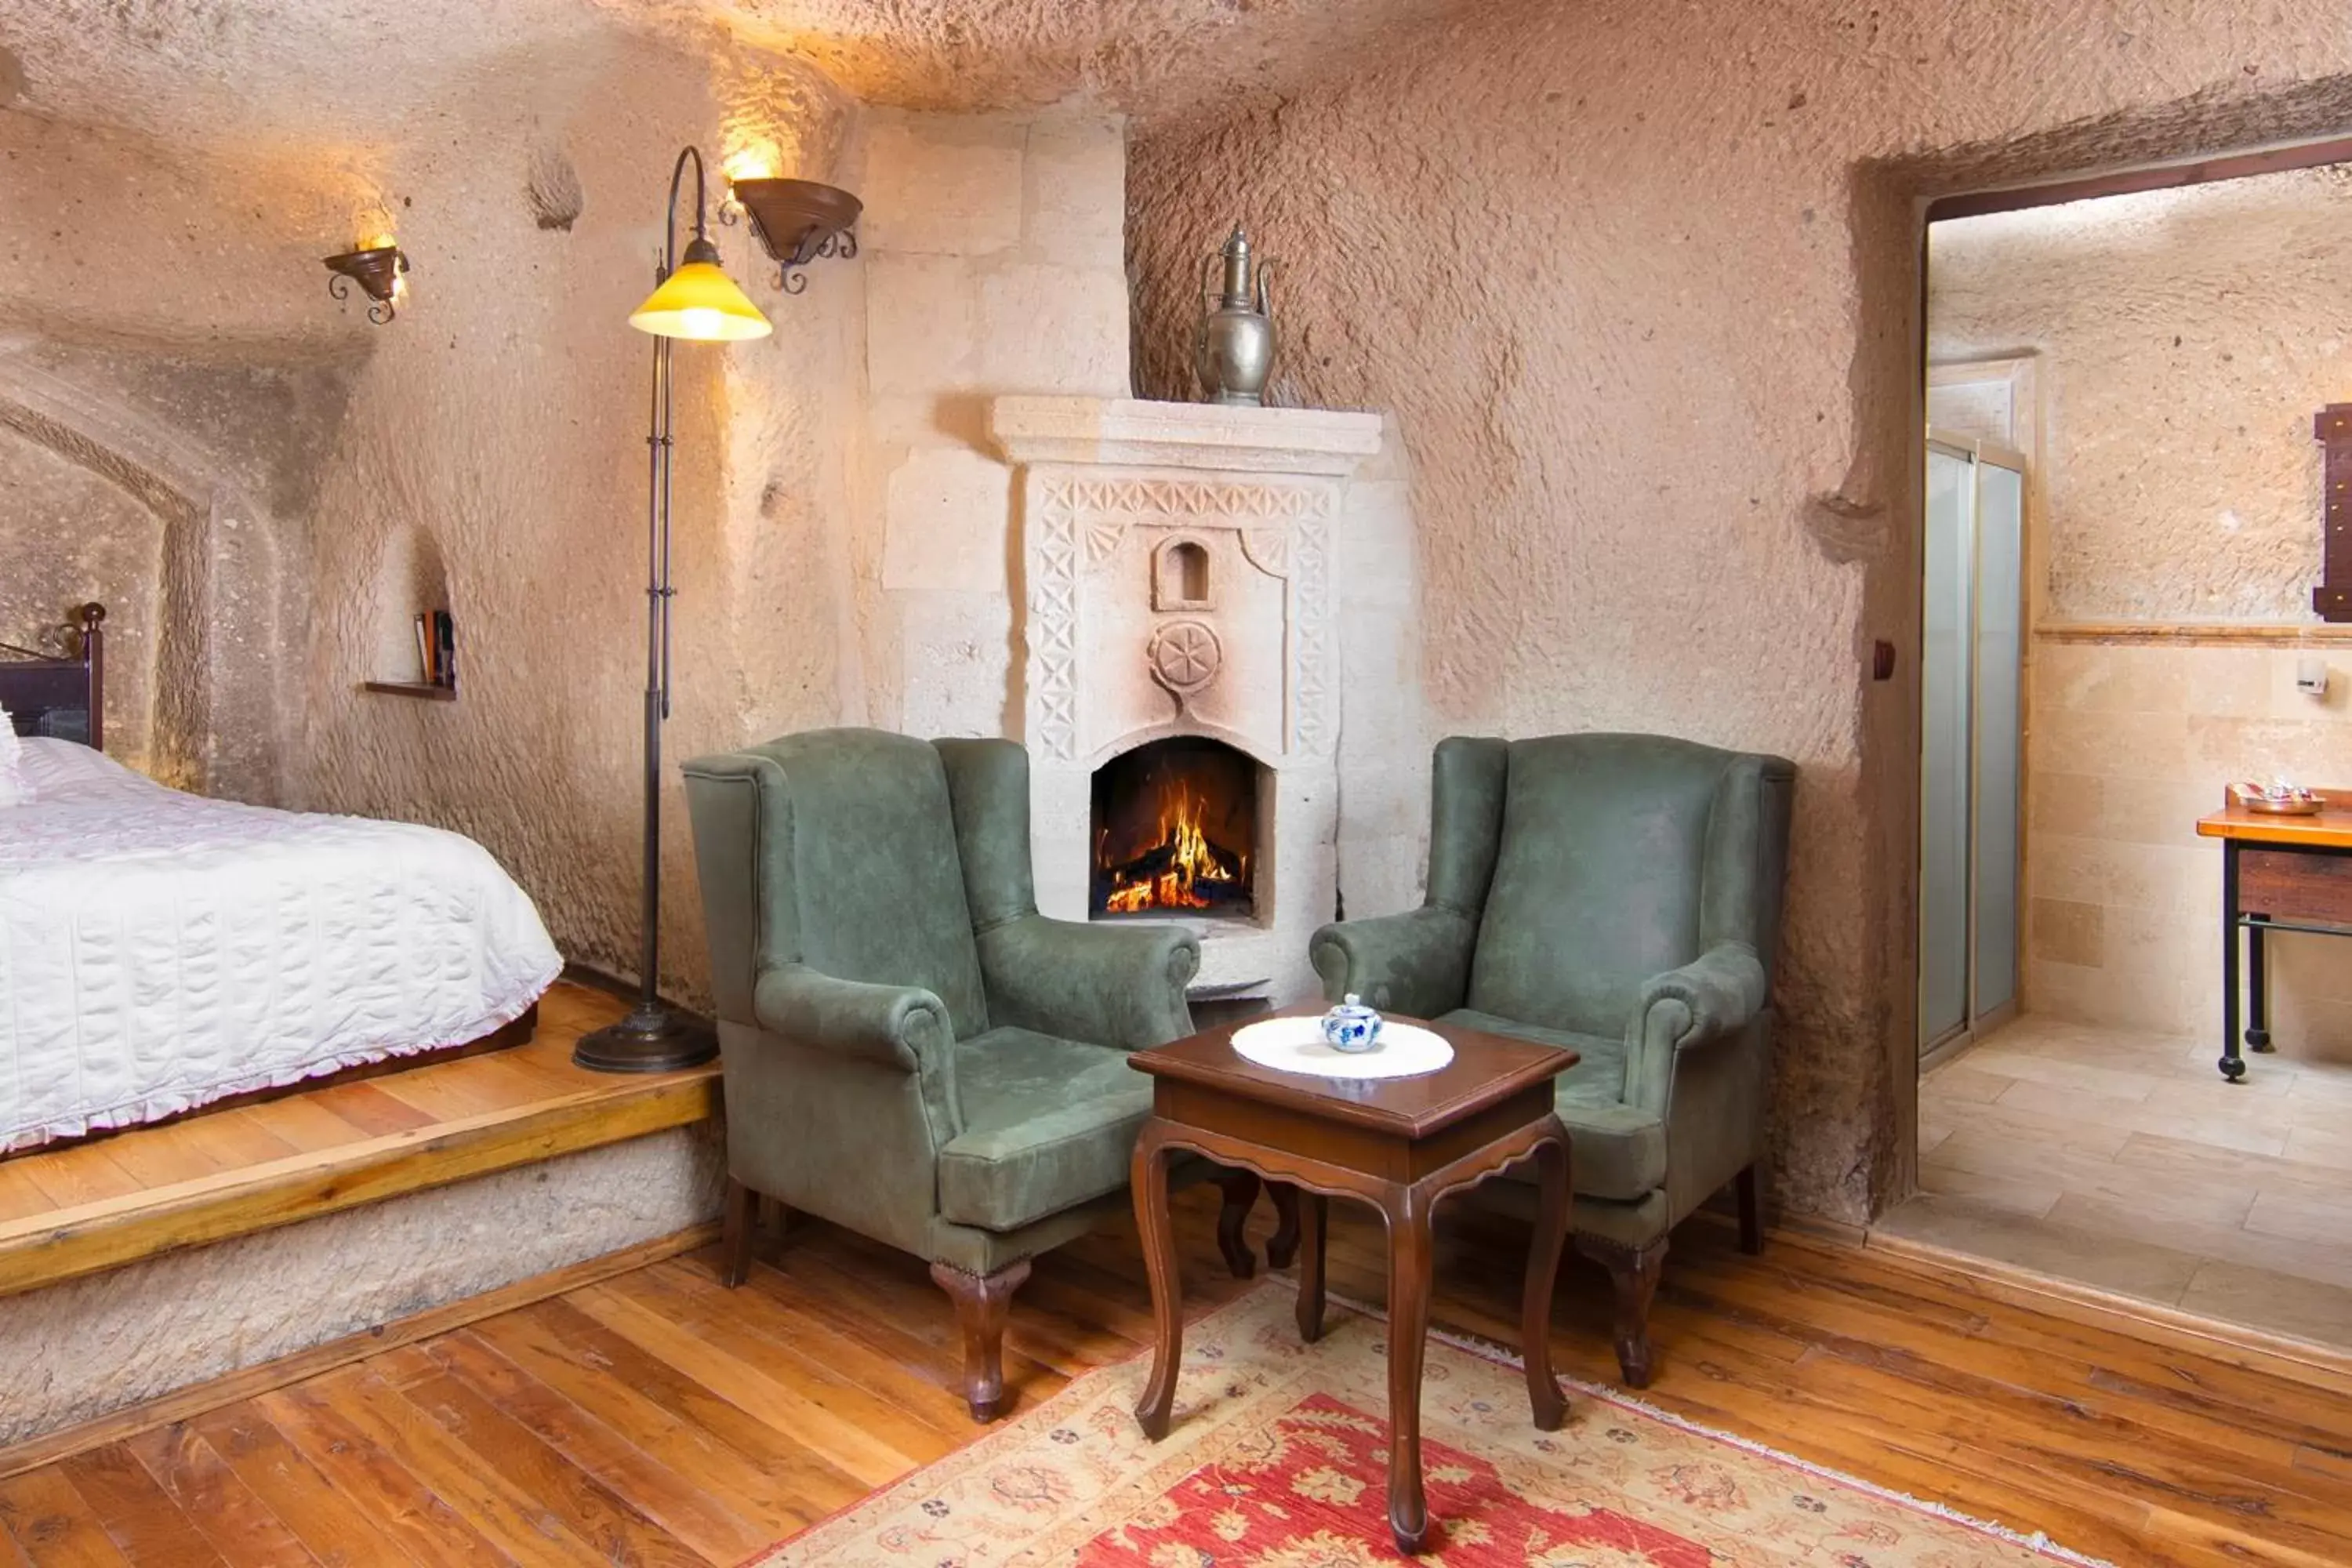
(750, 163)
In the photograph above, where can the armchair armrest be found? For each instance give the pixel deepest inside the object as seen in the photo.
(1417, 963)
(1715, 995)
(904, 1026)
(1119, 985)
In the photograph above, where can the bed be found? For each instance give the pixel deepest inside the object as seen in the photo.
(161, 950)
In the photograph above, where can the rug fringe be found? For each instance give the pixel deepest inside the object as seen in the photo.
(1503, 1355)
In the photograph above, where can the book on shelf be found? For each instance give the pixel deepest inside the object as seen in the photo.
(436, 648)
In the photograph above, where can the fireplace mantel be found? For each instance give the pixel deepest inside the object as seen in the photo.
(1128, 432)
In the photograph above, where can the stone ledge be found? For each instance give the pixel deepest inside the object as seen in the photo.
(2197, 634)
(1131, 433)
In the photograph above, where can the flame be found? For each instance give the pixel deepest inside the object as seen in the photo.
(1189, 862)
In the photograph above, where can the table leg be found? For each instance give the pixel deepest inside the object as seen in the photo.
(2232, 1067)
(1283, 1244)
(1314, 1223)
(1241, 1188)
(1148, 1176)
(1543, 1269)
(2258, 991)
(1410, 1261)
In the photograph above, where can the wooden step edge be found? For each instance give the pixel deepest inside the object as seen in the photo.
(91, 1238)
(2301, 1361)
(248, 1383)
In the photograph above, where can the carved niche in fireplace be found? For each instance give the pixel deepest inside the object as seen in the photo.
(1175, 831)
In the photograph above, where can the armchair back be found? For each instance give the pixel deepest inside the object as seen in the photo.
(854, 863)
(1620, 857)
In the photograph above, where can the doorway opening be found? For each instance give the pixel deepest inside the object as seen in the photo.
(2123, 522)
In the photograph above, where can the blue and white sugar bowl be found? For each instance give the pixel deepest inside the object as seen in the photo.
(1352, 1026)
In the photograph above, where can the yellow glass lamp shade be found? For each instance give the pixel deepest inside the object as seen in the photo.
(701, 302)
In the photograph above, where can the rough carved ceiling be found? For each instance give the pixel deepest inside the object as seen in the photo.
(221, 73)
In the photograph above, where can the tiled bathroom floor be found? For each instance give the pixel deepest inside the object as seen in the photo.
(2122, 1160)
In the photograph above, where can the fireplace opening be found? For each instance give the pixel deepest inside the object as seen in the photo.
(1175, 831)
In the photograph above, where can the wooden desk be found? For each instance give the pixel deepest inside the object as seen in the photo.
(1400, 1144)
(2278, 873)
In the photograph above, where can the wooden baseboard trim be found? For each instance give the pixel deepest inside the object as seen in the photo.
(2303, 1360)
(181, 1403)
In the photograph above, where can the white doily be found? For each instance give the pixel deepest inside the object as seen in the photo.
(1296, 1045)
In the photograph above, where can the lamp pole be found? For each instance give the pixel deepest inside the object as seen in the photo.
(653, 1038)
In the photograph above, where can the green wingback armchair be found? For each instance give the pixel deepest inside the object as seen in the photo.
(1619, 895)
(910, 1050)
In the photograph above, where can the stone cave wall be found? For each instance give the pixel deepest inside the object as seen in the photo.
(2182, 342)
(494, 448)
(2186, 338)
(160, 403)
(1640, 286)
(72, 537)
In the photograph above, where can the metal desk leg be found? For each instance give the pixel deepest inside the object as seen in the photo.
(2233, 1068)
(2258, 999)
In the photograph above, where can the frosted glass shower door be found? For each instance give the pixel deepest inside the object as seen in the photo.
(1946, 667)
(1971, 736)
(1999, 731)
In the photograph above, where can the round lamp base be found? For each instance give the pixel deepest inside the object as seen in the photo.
(650, 1039)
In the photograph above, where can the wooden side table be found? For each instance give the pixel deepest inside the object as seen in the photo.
(2278, 873)
(1400, 1144)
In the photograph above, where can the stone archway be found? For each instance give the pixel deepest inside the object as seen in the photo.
(213, 723)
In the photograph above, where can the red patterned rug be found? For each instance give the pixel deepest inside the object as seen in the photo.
(1277, 1458)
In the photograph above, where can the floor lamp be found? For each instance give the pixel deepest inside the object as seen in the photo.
(693, 299)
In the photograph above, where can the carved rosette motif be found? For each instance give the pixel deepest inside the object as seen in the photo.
(1185, 656)
(1075, 521)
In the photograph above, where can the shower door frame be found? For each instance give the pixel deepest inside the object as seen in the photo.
(1978, 454)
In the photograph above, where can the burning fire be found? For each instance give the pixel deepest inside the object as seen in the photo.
(1183, 858)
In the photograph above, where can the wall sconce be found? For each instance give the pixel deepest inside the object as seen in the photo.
(376, 269)
(798, 221)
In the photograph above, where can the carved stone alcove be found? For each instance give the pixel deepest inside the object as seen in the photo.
(1178, 560)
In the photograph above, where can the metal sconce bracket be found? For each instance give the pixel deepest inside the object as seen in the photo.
(798, 222)
(376, 270)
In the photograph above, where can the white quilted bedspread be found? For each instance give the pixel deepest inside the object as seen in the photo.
(159, 950)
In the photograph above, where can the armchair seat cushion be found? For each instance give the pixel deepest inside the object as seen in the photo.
(1614, 1150)
(1048, 1123)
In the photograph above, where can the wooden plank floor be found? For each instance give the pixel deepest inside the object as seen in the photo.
(2122, 1160)
(655, 1417)
(112, 1200)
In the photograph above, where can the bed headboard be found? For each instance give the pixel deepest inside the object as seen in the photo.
(63, 693)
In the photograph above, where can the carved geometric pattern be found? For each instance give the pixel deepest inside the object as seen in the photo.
(1075, 524)
(1185, 656)
(1210, 500)
(1316, 724)
(1268, 550)
(1054, 636)
(1102, 538)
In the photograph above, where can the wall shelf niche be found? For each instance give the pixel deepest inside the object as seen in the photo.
(411, 582)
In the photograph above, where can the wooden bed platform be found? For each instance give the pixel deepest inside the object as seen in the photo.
(225, 1171)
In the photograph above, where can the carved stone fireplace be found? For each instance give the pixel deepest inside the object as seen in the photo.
(1181, 676)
